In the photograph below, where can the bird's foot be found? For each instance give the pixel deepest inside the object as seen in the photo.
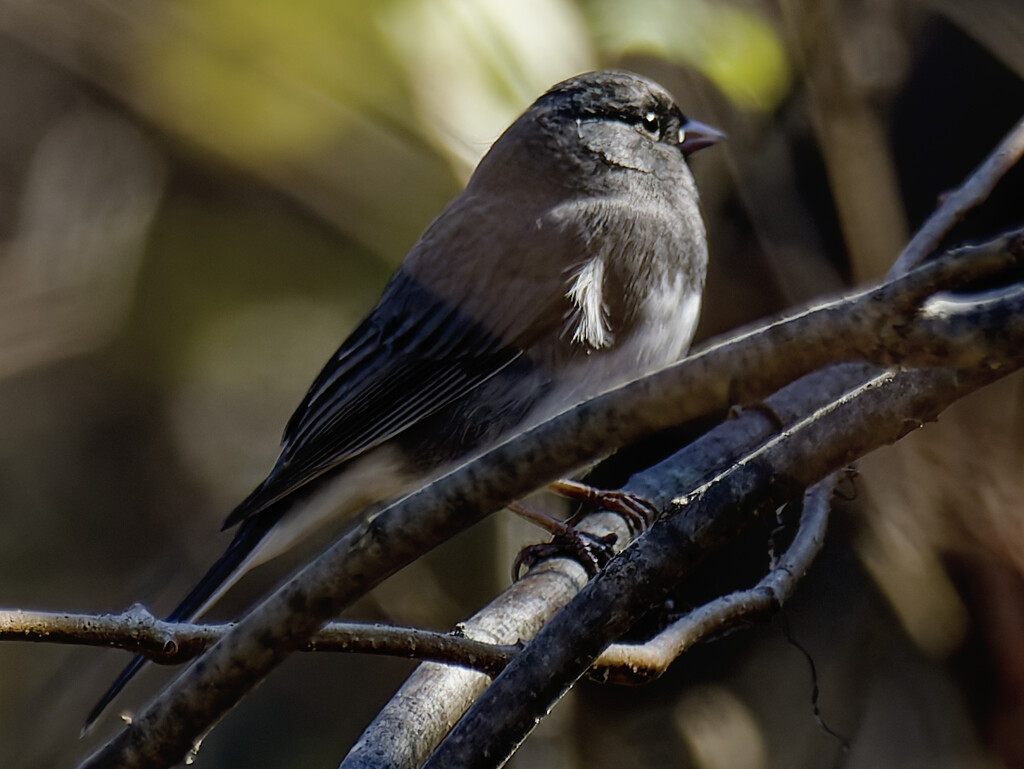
(639, 513)
(591, 552)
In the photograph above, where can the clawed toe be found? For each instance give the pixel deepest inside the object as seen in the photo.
(591, 552)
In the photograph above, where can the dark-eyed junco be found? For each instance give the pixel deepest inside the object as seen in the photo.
(573, 262)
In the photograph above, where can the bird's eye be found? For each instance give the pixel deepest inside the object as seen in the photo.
(651, 123)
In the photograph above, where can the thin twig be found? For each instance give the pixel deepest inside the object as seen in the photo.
(639, 663)
(955, 206)
(172, 643)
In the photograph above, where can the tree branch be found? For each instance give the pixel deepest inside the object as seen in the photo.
(640, 663)
(172, 643)
(876, 412)
(971, 194)
(975, 189)
(864, 325)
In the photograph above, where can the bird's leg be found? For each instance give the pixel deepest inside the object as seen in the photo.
(546, 521)
(591, 552)
(639, 513)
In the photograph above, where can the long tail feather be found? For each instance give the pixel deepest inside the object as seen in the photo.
(213, 583)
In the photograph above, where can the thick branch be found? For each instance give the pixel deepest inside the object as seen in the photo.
(414, 721)
(877, 412)
(860, 326)
(380, 748)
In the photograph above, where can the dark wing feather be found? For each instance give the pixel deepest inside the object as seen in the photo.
(412, 356)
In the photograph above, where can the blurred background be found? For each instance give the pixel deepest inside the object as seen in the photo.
(199, 199)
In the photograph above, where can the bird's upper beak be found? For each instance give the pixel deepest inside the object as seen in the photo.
(694, 135)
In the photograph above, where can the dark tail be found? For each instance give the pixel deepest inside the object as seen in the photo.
(248, 537)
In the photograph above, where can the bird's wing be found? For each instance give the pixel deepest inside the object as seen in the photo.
(413, 355)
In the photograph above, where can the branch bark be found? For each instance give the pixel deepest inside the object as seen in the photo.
(876, 412)
(875, 325)
(972, 193)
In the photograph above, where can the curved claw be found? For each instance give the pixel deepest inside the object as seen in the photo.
(638, 512)
(591, 552)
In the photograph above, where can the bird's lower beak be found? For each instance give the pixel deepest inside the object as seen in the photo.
(694, 135)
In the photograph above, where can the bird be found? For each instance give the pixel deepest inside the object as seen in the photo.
(572, 262)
